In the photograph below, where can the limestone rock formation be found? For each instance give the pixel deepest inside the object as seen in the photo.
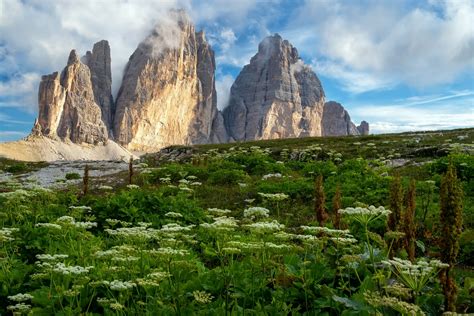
(336, 121)
(275, 96)
(363, 128)
(67, 107)
(168, 91)
(99, 63)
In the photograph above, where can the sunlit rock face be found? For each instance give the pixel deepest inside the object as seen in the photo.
(168, 91)
(275, 96)
(336, 121)
(67, 107)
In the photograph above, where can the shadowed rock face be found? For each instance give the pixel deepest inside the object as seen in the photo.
(336, 121)
(168, 91)
(98, 62)
(275, 96)
(67, 107)
(363, 128)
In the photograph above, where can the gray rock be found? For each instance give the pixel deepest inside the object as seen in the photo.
(168, 91)
(363, 128)
(67, 108)
(336, 121)
(275, 96)
(98, 62)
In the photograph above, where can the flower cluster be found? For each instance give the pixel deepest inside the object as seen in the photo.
(219, 211)
(6, 233)
(256, 212)
(202, 297)
(271, 175)
(20, 297)
(415, 275)
(274, 196)
(365, 215)
(61, 268)
(118, 285)
(222, 223)
(266, 227)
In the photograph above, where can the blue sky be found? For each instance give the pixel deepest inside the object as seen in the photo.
(399, 64)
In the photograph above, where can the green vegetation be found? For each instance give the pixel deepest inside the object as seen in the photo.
(72, 176)
(318, 226)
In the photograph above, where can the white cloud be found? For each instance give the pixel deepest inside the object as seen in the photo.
(455, 110)
(223, 85)
(387, 41)
(17, 92)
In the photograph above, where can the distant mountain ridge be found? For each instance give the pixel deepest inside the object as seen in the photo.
(168, 96)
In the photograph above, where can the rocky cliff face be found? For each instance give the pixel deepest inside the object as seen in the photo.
(168, 95)
(168, 91)
(67, 104)
(275, 96)
(363, 128)
(336, 121)
(99, 63)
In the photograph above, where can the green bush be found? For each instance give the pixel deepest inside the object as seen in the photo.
(17, 167)
(227, 176)
(72, 176)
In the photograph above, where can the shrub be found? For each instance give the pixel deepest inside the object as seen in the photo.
(72, 176)
(227, 176)
(16, 167)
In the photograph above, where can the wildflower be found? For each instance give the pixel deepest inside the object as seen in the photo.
(415, 275)
(171, 251)
(249, 201)
(242, 185)
(365, 215)
(20, 297)
(173, 228)
(256, 211)
(6, 233)
(231, 250)
(48, 225)
(376, 300)
(48, 257)
(80, 208)
(118, 285)
(271, 175)
(20, 307)
(202, 297)
(105, 188)
(116, 306)
(264, 227)
(325, 230)
(274, 197)
(132, 186)
(219, 211)
(68, 270)
(196, 183)
(174, 215)
(165, 180)
(221, 223)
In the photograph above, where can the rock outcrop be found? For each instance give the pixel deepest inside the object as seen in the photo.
(99, 63)
(363, 128)
(67, 106)
(168, 91)
(336, 121)
(275, 96)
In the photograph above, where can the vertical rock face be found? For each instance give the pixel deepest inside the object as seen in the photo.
(168, 91)
(51, 99)
(336, 121)
(275, 96)
(363, 128)
(67, 107)
(99, 62)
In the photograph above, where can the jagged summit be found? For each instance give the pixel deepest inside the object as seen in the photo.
(168, 91)
(275, 95)
(168, 95)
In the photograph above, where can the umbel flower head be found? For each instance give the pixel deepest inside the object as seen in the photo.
(365, 215)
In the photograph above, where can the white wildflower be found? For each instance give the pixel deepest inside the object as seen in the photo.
(20, 297)
(48, 225)
(202, 297)
(266, 227)
(174, 215)
(254, 212)
(271, 175)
